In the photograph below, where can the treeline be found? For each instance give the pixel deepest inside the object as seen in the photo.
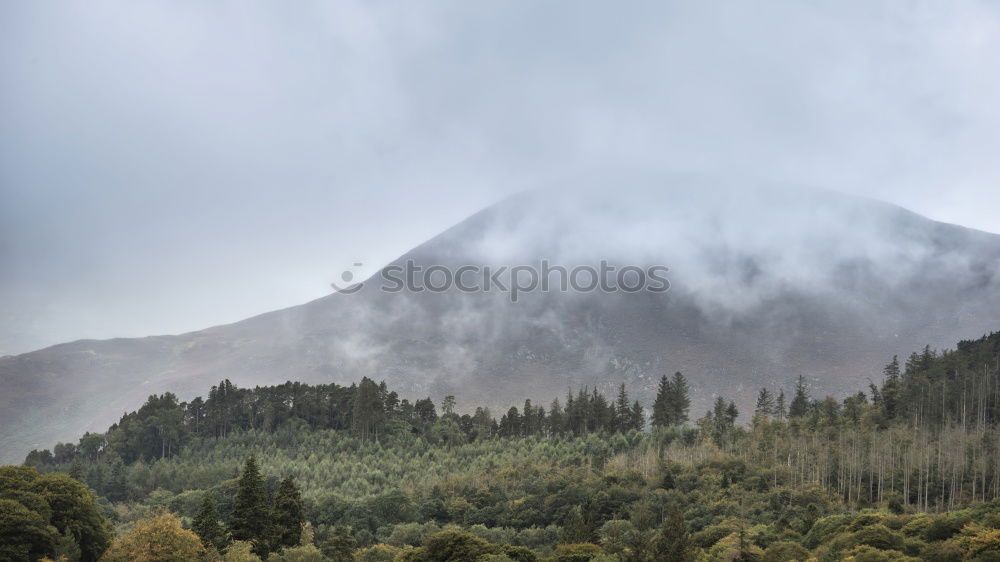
(872, 446)
(163, 425)
(383, 478)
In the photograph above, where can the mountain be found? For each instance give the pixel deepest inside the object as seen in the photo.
(766, 283)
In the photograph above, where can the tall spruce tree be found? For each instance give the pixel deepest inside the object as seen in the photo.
(662, 416)
(288, 514)
(890, 389)
(623, 412)
(251, 518)
(637, 418)
(680, 402)
(206, 524)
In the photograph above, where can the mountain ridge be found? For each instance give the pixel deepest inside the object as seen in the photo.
(747, 305)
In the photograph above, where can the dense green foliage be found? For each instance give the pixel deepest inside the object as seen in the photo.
(46, 515)
(909, 469)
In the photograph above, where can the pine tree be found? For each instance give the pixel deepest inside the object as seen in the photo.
(206, 524)
(447, 405)
(680, 402)
(288, 516)
(671, 542)
(623, 412)
(117, 490)
(368, 415)
(765, 404)
(575, 527)
(251, 516)
(557, 420)
(780, 411)
(528, 421)
(719, 414)
(731, 414)
(339, 547)
(667, 480)
(662, 411)
(76, 470)
(800, 402)
(890, 389)
(637, 419)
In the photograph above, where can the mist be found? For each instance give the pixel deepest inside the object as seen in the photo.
(165, 168)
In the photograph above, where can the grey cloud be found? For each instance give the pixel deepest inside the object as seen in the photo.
(168, 166)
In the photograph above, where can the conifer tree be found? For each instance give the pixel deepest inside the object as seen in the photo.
(671, 542)
(206, 524)
(890, 389)
(76, 470)
(662, 404)
(680, 402)
(288, 516)
(575, 527)
(731, 414)
(667, 480)
(800, 402)
(339, 547)
(528, 421)
(765, 404)
(556, 418)
(780, 411)
(251, 516)
(637, 419)
(447, 405)
(368, 415)
(623, 412)
(117, 489)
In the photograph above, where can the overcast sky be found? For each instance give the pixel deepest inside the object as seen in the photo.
(169, 166)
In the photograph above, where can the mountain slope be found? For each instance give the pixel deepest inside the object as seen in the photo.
(766, 283)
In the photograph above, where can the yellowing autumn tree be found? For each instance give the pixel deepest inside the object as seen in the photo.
(155, 538)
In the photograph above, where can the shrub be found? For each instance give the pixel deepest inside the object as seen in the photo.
(945, 527)
(451, 545)
(377, 553)
(580, 552)
(785, 551)
(824, 529)
(946, 551)
(865, 553)
(878, 536)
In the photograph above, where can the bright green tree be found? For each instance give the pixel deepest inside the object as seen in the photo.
(24, 534)
(74, 507)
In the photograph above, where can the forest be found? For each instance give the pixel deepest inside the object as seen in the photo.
(908, 468)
